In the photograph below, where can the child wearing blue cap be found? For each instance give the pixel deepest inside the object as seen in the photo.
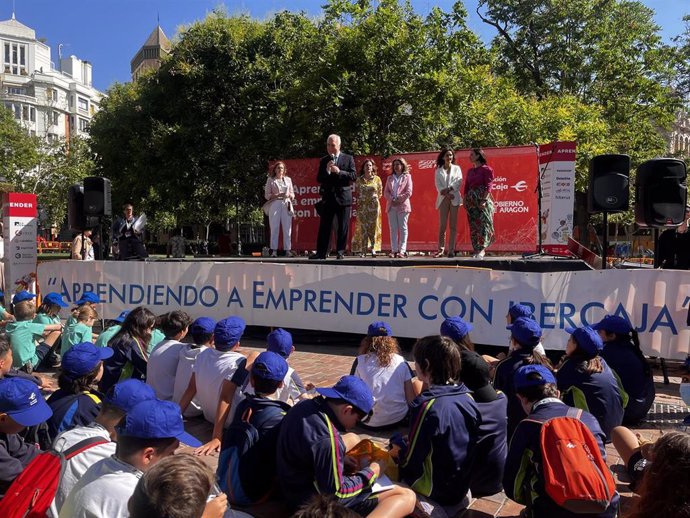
(388, 375)
(458, 330)
(99, 435)
(76, 402)
(49, 310)
(525, 334)
(130, 346)
(587, 382)
(522, 311)
(437, 457)
(247, 470)
(201, 333)
(623, 354)
(163, 360)
(88, 298)
(24, 334)
(81, 330)
(311, 453)
(151, 431)
(523, 481)
(114, 326)
(21, 405)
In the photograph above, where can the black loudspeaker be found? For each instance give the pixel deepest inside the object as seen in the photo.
(609, 183)
(97, 200)
(661, 193)
(75, 208)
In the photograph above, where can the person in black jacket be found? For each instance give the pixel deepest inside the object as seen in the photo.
(336, 173)
(673, 247)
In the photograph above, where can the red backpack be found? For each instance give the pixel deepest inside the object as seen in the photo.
(576, 476)
(32, 492)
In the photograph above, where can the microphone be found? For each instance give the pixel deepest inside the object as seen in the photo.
(333, 157)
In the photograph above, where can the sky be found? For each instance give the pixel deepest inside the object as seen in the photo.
(108, 33)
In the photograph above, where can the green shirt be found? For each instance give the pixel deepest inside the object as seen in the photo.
(45, 318)
(157, 336)
(70, 321)
(74, 335)
(23, 336)
(106, 335)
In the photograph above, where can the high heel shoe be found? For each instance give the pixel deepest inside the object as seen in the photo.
(440, 253)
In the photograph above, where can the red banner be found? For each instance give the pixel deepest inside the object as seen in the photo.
(514, 192)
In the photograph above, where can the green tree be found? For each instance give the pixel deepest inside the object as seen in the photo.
(18, 151)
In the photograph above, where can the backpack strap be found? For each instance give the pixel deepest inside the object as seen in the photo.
(82, 446)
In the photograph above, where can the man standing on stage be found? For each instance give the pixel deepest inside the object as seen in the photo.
(336, 173)
(129, 233)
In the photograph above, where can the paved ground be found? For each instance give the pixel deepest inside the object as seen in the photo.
(323, 366)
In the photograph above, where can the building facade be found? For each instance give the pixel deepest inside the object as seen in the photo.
(679, 139)
(49, 102)
(150, 55)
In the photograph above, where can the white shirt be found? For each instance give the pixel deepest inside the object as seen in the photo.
(79, 464)
(103, 491)
(210, 369)
(162, 366)
(185, 367)
(387, 385)
(288, 393)
(452, 180)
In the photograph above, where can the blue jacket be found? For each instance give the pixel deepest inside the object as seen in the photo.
(492, 448)
(439, 455)
(523, 480)
(503, 381)
(598, 393)
(630, 369)
(310, 456)
(129, 361)
(15, 455)
(70, 410)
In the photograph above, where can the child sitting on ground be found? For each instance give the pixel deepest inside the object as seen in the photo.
(81, 331)
(201, 332)
(163, 360)
(458, 330)
(637, 455)
(114, 326)
(88, 298)
(388, 375)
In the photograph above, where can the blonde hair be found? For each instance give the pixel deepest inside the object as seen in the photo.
(25, 310)
(383, 346)
(85, 313)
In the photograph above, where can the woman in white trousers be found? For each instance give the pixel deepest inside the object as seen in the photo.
(280, 197)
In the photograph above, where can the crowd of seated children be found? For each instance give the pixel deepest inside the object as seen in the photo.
(88, 298)
(458, 330)
(522, 311)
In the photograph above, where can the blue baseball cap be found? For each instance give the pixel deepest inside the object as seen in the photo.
(353, 390)
(156, 419)
(520, 310)
(532, 376)
(2, 293)
(588, 340)
(82, 358)
(280, 342)
(455, 328)
(526, 332)
(89, 296)
(21, 400)
(228, 332)
(270, 366)
(129, 393)
(22, 296)
(202, 326)
(379, 329)
(613, 324)
(55, 298)
(122, 316)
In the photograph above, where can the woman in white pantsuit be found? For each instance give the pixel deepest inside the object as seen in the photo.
(448, 179)
(280, 198)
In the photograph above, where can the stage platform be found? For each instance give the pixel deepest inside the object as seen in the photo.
(513, 263)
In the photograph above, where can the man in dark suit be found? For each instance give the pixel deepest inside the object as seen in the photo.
(336, 173)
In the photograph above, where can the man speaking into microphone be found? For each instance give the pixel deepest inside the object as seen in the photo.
(336, 174)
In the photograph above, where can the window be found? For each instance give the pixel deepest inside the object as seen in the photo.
(83, 104)
(52, 94)
(14, 58)
(15, 90)
(83, 124)
(17, 111)
(54, 118)
(32, 112)
(25, 113)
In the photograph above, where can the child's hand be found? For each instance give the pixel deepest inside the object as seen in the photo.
(394, 451)
(310, 386)
(210, 447)
(216, 508)
(350, 464)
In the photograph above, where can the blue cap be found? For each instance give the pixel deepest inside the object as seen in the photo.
(353, 390)
(455, 328)
(21, 400)
(526, 332)
(89, 296)
(613, 324)
(127, 394)
(156, 419)
(270, 366)
(122, 316)
(56, 299)
(228, 332)
(588, 340)
(202, 326)
(532, 376)
(280, 342)
(2, 293)
(379, 329)
(22, 296)
(520, 310)
(82, 358)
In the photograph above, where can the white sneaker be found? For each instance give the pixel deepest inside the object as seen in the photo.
(481, 254)
(274, 254)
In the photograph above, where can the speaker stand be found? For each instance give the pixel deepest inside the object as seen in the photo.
(605, 247)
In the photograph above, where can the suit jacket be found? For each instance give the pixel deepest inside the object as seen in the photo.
(443, 181)
(402, 195)
(336, 188)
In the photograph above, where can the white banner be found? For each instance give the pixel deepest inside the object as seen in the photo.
(20, 226)
(414, 300)
(557, 170)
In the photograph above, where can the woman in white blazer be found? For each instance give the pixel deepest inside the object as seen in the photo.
(448, 181)
(280, 197)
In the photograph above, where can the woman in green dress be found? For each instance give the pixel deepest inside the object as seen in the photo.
(367, 238)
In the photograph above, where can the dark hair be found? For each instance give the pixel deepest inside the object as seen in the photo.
(136, 325)
(441, 158)
(373, 165)
(586, 364)
(272, 174)
(176, 487)
(4, 344)
(539, 392)
(536, 358)
(201, 338)
(128, 446)
(440, 357)
(263, 386)
(48, 308)
(480, 154)
(127, 205)
(111, 412)
(384, 347)
(403, 162)
(81, 384)
(175, 322)
(633, 339)
(665, 488)
(324, 506)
